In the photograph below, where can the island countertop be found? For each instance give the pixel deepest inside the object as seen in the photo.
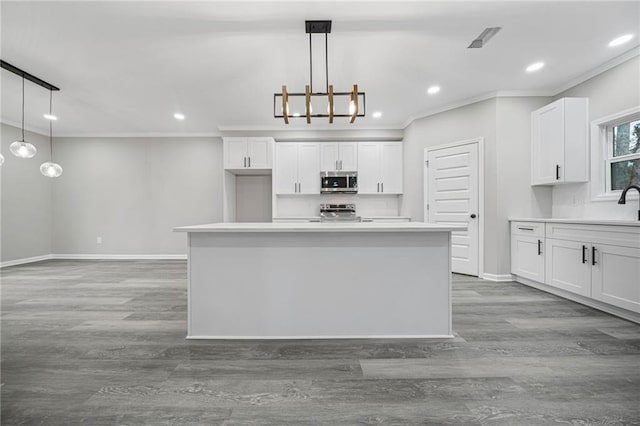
(321, 227)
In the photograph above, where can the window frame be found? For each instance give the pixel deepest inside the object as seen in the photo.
(602, 154)
(610, 159)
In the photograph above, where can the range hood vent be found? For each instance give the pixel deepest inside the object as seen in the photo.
(484, 37)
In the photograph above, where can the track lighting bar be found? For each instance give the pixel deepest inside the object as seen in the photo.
(7, 66)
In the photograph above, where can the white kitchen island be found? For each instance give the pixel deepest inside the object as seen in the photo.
(318, 280)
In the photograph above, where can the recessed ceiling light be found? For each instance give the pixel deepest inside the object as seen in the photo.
(50, 117)
(376, 114)
(433, 90)
(620, 40)
(178, 116)
(535, 67)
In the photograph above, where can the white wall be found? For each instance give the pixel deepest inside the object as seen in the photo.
(467, 122)
(515, 195)
(132, 192)
(25, 229)
(613, 91)
(505, 125)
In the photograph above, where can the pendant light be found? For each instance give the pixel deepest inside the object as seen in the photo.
(49, 168)
(22, 148)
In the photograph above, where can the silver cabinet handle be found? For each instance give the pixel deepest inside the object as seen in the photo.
(295, 187)
(299, 187)
(336, 164)
(340, 164)
(245, 161)
(522, 228)
(378, 186)
(249, 161)
(382, 187)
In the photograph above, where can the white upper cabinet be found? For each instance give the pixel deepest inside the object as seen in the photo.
(559, 142)
(297, 168)
(248, 153)
(339, 156)
(380, 168)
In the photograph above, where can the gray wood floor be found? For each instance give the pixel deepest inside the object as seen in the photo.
(102, 343)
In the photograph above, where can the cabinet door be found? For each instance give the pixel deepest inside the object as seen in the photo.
(616, 276)
(391, 167)
(259, 153)
(567, 266)
(329, 156)
(286, 168)
(235, 153)
(527, 257)
(547, 143)
(368, 168)
(309, 168)
(348, 156)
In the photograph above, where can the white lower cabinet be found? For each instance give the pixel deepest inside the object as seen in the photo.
(527, 250)
(567, 266)
(615, 276)
(527, 257)
(599, 262)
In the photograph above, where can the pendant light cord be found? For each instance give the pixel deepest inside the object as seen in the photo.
(51, 124)
(22, 108)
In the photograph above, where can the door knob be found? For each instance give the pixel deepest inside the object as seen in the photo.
(473, 215)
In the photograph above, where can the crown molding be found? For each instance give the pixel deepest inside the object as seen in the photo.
(139, 135)
(629, 54)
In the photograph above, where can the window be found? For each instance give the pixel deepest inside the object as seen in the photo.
(615, 154)
(622, 165)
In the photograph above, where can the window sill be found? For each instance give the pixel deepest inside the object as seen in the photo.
(614, 197)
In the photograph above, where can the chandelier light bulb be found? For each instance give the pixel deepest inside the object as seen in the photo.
(352, 107)
(50, 169)
(22, 149)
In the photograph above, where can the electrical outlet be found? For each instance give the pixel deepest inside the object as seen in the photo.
(99, 240)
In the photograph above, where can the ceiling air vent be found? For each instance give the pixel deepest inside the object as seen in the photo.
(484, 37)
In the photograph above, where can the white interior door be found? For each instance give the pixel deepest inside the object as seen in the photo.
(453, 199)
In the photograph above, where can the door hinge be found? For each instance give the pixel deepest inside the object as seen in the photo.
(426, 163)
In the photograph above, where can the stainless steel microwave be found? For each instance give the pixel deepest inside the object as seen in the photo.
(339, 182)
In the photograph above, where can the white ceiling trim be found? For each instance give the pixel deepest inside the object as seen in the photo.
(599, 70)
(139, 135)
(476, 99)
(517, 93)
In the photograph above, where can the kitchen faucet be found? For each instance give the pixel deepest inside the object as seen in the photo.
(623, 196)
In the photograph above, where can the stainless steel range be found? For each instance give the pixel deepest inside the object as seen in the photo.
(339, 213)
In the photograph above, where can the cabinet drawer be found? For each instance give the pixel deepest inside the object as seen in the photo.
(534, 229)
(624, 236)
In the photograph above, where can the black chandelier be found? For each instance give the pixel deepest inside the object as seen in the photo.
(352, 106)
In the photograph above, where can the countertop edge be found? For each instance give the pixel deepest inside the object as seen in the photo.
(603, 222)
(400, 227)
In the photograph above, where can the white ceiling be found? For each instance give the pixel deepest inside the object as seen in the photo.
(126, 67)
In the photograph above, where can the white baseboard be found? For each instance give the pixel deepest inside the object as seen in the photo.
(381, 336)
(500, 278)
(120, 256)
(93, 257)
(26, 260)
(596, 304)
